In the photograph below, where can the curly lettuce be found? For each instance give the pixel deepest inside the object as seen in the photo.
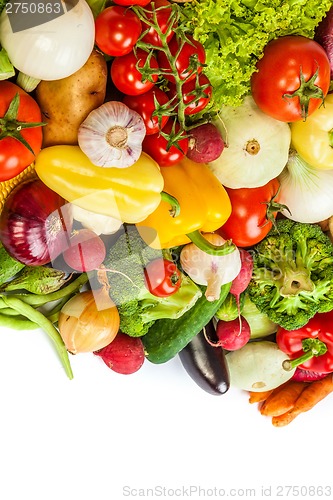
(235, 32)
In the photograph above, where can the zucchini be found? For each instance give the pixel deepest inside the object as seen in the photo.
(167, 337)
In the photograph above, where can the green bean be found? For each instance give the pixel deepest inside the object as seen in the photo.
(17, 323)
(8, 311)
(39, 300)
(37, 317)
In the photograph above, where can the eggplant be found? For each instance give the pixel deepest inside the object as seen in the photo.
(206, 364)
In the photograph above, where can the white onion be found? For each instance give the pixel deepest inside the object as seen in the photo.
(306, 191)
(55, 49)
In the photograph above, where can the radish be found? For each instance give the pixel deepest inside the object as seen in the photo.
(240, 283)
(236, 333)
(205, 143)
(124, 354)
(233, 334)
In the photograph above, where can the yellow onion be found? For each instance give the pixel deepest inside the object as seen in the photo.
(88, 321)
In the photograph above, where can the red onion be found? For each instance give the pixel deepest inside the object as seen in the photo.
(324, 36)
(35, 223)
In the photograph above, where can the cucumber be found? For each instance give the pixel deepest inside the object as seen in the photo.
(167, 337)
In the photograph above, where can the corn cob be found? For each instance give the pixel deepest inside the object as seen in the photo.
(7, 186)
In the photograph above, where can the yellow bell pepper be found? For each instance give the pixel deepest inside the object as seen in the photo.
(127, 194)
(313, 138)
(204, 206)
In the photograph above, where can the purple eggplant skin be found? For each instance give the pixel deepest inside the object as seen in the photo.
(206, 364)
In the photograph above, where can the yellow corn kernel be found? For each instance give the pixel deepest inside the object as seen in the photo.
(7, 186)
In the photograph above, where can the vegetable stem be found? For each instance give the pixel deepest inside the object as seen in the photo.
(175, 207)
(26, 82)
(200, 241)
(38, 318)
(312, 348)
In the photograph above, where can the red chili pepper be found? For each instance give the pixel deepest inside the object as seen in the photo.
(309, 347)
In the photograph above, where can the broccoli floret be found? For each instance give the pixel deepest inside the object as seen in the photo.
(138, 309)
(293, 274)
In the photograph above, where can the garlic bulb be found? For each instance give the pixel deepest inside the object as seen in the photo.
(112, 135)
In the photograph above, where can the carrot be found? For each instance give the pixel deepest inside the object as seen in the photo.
(283, 399)
(259, 397)
(314, 393)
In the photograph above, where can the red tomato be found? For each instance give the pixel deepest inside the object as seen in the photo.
(142, 3)
(277, 86)
(248, 223)
(127, 78)
(14, 155)
(155, 145)
(117, 30)
(162, 277)
(190, 50)
(144, 104)
(162, 13)
(196, 94)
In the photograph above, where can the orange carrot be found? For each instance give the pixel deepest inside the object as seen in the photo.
(314, 393)
(283, 399)
(258, 397)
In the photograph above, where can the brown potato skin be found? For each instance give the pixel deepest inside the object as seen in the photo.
(65, 103)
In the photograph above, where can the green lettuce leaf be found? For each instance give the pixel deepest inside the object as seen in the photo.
(235, 33)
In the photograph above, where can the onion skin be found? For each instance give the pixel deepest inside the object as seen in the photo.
(324, 36)
(35, 223)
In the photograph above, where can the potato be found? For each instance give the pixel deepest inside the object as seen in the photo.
(65, 103)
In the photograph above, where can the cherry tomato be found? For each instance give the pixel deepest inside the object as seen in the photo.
(127, 78)
(162, 13)
(162, 277)
(285, 63)
(196, 94)
(142, 3)
(190, 50)
(14, 155)
(248, 223)
(155, 145)
(144, 104)
(117, 30)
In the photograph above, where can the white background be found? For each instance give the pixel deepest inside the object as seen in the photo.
(91, 437)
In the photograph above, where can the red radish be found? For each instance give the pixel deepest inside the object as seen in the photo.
(205, 143)
(233, 334)
(124, 354)
(86, 251)
(240, 283)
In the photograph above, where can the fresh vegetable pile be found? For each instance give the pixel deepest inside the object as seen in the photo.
(166, 175)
